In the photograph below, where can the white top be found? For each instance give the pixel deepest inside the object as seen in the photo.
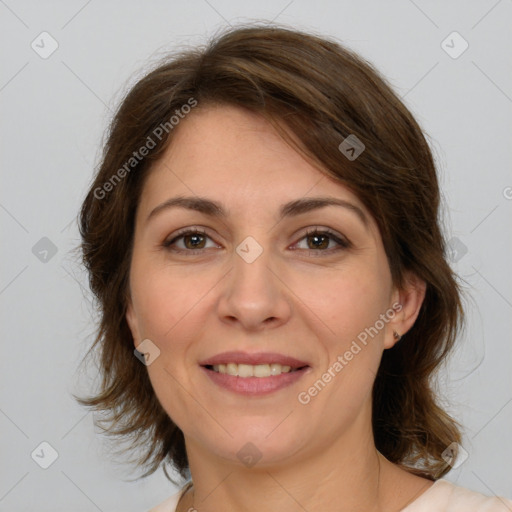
(443, 496)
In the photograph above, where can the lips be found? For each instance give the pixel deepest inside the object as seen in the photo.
(254, 374)
(260, 358)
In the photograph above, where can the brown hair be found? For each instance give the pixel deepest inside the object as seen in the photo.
(322, 92)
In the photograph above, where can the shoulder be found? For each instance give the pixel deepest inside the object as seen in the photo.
(445, 496)
(170, 504)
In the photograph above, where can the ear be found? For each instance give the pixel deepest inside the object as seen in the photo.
(406, 304)
(131, 319)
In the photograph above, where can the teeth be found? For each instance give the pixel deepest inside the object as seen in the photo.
(249, 370)
(232, 369)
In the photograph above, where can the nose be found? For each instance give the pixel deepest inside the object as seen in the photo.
(254, 297)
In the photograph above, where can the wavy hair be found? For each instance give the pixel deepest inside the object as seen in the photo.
(322, 92)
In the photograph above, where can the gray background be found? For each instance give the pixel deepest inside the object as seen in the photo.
(54, 113)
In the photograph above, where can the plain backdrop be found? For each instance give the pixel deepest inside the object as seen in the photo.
(54, 111)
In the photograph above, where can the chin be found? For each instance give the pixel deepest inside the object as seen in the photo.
(259, 443)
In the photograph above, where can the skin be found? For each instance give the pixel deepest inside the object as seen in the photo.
(295, 299)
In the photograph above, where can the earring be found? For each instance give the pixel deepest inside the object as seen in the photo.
(396, 336)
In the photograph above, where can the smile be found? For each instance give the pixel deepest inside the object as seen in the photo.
(254, 380)
(249, 370)
(253, 374)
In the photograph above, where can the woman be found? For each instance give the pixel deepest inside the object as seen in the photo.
(263, 240)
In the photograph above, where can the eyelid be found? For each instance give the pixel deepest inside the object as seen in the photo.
(342, 241)
(190, 230)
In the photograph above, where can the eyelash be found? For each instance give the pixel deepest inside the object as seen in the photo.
(343, 244)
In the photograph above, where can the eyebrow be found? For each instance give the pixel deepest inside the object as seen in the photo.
(290, 209)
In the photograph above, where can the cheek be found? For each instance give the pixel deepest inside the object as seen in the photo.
(165, 298)
(168, 302)
(167, 307)
(346, 301)
(349, 305)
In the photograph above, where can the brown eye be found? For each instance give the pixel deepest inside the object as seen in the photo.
(318, 241)
(194, 241)
(323, 241)
(189, 241)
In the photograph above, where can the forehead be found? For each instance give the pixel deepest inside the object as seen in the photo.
(218, 142)
(237, 158)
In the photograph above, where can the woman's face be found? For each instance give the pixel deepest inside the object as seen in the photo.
(264, 281)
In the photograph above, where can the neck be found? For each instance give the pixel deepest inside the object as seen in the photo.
(346, 474)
